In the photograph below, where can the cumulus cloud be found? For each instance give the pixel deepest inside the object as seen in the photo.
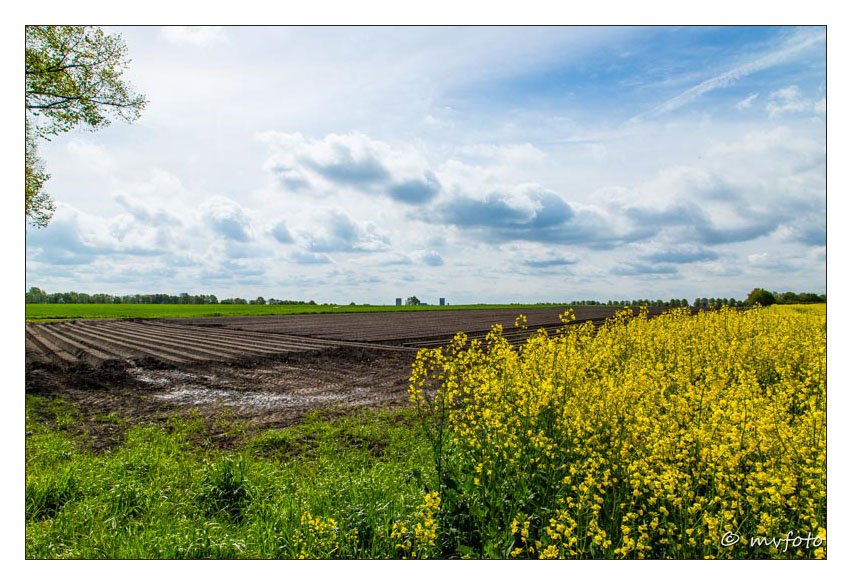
(696, 226)
(60, 243)
(697, 203)
(348, 166)
(339, 233)
(754, 226)
(689, 183)
(352, 161)
(747, 189)
(74, 238)
(199, 36)
(289, 177)
(281, 233)
(528, 212)
(416, 190)
(788, 99)
(228, 219)
(146, 213)
(522, 210)
(429, 257)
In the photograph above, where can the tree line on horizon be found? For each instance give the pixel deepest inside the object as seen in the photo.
(37, 295)
(758, 295)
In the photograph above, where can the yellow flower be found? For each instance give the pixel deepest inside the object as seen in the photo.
(701, 424)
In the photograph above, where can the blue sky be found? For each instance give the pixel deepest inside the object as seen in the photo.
(480, 164)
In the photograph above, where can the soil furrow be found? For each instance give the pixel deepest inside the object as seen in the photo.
(50, 348)
(75, 346)
(198, 350)
(33, 351)
(159, 352)
(264, 337)
(188, 338)
(234, 339)
(119, 349)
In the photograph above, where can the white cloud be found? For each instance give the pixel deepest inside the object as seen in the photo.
(767, 261)
(199, 36)
(78, 238)
(429, 257)
(228, 219)
(791, 48)
(93, 156)
(394, 149)
(146, 213)
(788, 99)
(340, 233)
(747, 102)
(280, 232)
(351, 161)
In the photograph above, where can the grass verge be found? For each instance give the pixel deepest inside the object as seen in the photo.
(324, 489)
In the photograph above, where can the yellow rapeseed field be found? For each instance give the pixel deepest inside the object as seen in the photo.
(681, 436)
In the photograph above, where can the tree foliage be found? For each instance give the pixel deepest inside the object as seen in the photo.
(760, 296)
(39, 205)
(73, 77)
(412, 301)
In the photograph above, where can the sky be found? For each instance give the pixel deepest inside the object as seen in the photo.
(479, 164)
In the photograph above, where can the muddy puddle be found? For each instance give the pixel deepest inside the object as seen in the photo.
(276, 386)
(262, 394)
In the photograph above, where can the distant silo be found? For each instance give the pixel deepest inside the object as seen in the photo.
(442, 301)
(399, 302)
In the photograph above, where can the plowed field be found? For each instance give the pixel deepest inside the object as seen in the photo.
(266, 370)
(415, 329)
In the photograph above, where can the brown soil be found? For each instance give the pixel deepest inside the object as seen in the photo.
(242, 374)
(232, 398)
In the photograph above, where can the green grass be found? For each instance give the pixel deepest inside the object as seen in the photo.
(164, 492)
(41, 312)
